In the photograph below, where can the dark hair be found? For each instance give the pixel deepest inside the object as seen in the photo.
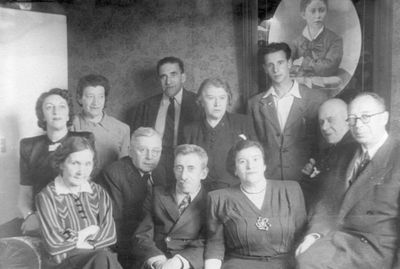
(305, 3)
(91, 80)
(216, 82)
(70, 145)
(170, 60)
(378, 99)
(239, 146)
(39, 106)
(275, 47)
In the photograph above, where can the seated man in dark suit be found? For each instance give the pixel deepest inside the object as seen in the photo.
(356, 223)
(172, 234)
(169, 111)
(128, 181)
(332, 116)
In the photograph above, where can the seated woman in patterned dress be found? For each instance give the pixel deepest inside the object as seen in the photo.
(76, 214)
(217, 130)
(256, 223)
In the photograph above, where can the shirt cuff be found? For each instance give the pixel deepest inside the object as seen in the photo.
(185, 263)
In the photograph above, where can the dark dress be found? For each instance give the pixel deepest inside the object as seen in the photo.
(217, 141)
(36, 155)
(234, 237)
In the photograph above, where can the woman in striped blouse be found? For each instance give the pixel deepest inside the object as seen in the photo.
(76, 214)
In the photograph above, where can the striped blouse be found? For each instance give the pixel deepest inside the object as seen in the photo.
(62, 216)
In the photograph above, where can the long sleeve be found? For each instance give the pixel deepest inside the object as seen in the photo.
(144, 246)
(125, 143)
(215, 246)
(107, 234)
(57, 238)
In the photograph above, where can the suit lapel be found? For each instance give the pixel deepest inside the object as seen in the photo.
(153, 109)
(373, 174)
(168, 201)
(268, 110)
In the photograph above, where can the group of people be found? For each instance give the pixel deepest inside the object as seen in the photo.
(301, 181)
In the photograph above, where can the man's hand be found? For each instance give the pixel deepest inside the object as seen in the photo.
(30, 225)
(309, 168)
(307, 242)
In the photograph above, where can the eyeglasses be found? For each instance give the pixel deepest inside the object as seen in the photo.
(145, 151)
(365, 118)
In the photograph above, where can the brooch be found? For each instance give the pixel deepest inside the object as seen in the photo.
(262, 224)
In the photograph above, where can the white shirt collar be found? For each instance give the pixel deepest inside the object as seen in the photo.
(61, 188)
(178, 98)
(294, 91)
(375, 148)
(306, 33)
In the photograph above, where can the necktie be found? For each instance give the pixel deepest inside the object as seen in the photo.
(149, 182)
(183, 204)
(359, 166)
(168, 137)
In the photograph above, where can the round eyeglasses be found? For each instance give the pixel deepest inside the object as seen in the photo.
(364, 118)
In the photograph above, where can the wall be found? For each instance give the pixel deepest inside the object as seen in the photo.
(124, 44)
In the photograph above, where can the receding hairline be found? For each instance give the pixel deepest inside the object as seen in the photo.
(378, 100)
(337, 103)
(144, 132)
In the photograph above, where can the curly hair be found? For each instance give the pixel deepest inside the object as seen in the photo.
(39, 106)
(94, 81)
(70, 145)
(239, 146)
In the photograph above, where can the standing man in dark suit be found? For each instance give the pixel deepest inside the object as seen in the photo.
(356, 224)
(169, 111)
(172, 235)
(128, 182)
(285, 116)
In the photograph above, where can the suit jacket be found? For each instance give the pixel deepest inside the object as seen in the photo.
(164, 232)
(145, 114)
(287, 151)
(326, 161)
(128, 192)
(363, 219)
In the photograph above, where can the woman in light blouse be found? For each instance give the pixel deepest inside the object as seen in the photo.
(256, 223)
(76, 214)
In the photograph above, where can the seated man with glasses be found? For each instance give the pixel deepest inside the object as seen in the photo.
(128, 181)
(356, 223)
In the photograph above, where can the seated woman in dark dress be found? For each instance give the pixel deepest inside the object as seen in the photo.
(217, 131)
(256, 223)
(54, 110)
(76, 214)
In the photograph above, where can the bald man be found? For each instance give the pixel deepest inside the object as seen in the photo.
(332, 116)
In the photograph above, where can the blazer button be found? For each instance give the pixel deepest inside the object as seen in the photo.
(364, 240)
(167, 239)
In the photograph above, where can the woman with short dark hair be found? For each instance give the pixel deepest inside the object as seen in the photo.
(256, 223)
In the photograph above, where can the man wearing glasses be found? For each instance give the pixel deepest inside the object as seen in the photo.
(129, 181)
(356, 223)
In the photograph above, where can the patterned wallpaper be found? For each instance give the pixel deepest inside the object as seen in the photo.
(124, 44)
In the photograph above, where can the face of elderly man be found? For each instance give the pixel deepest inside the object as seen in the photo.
(369, 132)
(332, 120)
(145, 152)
